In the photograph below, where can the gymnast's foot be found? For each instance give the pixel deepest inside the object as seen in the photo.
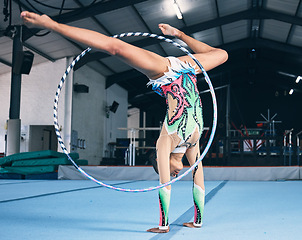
(169, 30)
(157, 230)
(34, 20)
(191, 225)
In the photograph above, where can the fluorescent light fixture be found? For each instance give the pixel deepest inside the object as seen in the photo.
(291, 91)
(177, 10)
(287, 74)
(298, 79)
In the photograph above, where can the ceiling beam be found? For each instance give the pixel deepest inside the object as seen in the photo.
(5, 62)
(95, 9)
(263, 43)
(253, 13)
(46, 56)
(95, 19)
(268, 14)
(84, 12)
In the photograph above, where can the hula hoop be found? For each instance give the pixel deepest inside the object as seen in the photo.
(57, 128)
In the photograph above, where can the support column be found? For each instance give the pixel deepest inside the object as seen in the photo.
(13, 136)
(68, 108)
(14, 122)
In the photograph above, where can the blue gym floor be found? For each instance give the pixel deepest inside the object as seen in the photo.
(80, 209)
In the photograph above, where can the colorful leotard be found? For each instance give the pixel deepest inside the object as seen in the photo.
(180, 83)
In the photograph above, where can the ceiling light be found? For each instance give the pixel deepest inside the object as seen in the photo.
(287, 74)
(298, 79)
(291, 91)
(177, 10)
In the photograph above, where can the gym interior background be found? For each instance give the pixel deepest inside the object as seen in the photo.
(106, 112)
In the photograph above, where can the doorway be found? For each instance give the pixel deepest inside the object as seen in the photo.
(42, 137)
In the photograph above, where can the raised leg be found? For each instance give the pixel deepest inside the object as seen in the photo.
(149, 63)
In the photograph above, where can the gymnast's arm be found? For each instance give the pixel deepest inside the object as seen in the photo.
(208, 56)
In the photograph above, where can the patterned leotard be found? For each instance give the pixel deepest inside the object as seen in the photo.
(180, 83)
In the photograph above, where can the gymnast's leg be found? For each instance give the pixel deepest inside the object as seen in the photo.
(193, 155)
(164, 145)
(148, 63)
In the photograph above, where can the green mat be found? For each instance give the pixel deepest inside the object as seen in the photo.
(47, 161)
(37, 162)
(8, 161)
(28, 170)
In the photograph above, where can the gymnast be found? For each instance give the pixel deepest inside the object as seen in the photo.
(172, 78)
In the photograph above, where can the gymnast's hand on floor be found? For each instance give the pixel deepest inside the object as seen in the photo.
(169, 30)
(157, 230)
(190, 225)
(35, 20)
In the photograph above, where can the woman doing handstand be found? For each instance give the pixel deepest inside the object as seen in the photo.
(174, 79)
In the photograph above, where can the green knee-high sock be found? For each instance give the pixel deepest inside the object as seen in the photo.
(199, 197)
(164, 203)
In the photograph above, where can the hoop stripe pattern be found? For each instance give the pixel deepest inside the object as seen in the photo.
(214, 124)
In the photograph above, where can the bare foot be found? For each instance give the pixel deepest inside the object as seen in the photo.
(190, 225)
(157, 230)
(34, 20)
(169, 30)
